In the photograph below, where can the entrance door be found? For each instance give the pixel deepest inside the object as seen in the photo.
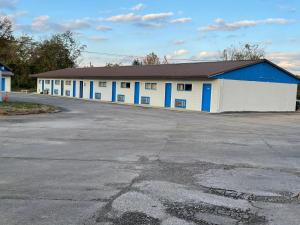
(52, 87)
(74, 88)
(114, 91)
(137, 93)
(43, 86)
(168, 95)
(91, 89)
(81, 89)
(62, 88)
(206, 97)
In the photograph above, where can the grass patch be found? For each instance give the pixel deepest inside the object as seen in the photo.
(24, 108)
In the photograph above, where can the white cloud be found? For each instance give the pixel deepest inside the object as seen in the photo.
(138, 7)
(179, 42)
(40, 23)
(97, 38)
(130, 17)
(8, 4)
(103, 28)
(222, 25)
(156, 16)
(208, 55)
(75, 24)
(287, 60)
(181, 52)
(182, 20)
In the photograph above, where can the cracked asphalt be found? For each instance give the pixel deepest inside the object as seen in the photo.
(106, 164)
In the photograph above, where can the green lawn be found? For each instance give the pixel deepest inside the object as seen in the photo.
(24, 108)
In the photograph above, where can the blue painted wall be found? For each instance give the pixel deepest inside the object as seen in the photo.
(263, 72)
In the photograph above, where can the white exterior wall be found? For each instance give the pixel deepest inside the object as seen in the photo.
(256, 96)
(157, 97)
(106, 92)
(7, 83)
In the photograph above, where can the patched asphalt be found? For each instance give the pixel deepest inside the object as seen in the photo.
(99, 163)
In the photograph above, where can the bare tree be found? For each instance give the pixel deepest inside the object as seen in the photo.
(243, 52)
(151, 59)
(137, 62)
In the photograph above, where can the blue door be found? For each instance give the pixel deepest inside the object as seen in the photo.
(114, 91)
(43, 86)
(91, 89)
(52, 87)
(137, 93)
(168, 95)
(74, 88)
(81, 89)
(206, 97)
(3, 84)
(62, 88)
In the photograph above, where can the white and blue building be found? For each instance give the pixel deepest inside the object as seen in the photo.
(5, 78)
(224, 86)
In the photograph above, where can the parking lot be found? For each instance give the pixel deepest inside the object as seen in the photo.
(100, 163)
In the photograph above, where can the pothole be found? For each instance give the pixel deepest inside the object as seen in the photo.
(134, 218)
(193, 212)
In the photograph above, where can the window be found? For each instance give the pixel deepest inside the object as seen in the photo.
(184, 87)
(102, 84)
(47, 81)
(68, 93)
(57, 82)
(68, 82)
(98, 96)
(150, 86)
(40, 81)
(56, 91)
(121, 98)
(145, 100)
(125, 84)
(180, 103)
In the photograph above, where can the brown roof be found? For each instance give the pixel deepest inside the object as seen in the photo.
(200, 70)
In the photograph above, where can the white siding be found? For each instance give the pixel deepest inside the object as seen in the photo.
(227, 95)
(7, 84)
(257, 96)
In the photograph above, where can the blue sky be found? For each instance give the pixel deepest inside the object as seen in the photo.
(182, 30)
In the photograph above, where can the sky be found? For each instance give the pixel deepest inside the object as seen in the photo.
(118, 31)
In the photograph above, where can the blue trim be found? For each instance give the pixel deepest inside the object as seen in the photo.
(262, 72)
(168, 95)
(114, 91)
(145, 100)
(62, 88)
(91, 89)
(180, 103)
(74, 88)
(52, 87)
(3, 84)
(80, 89)
(206, 97)
(137, 93)
(43, 86)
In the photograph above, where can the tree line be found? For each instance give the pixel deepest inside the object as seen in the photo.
(25, 55)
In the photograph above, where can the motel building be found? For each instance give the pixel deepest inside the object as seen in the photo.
(224, 86)
(5, 78)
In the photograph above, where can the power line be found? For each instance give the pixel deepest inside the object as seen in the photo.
(142, 57)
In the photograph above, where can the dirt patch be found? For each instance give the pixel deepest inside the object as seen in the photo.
(134, 218)
(24, 108)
